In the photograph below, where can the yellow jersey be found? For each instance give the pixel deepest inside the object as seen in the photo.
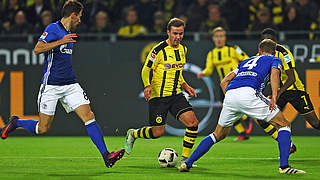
(224, 59)
(288, 63)
(167, 64)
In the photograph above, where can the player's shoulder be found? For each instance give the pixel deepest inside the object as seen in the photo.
(280, 48)
(157, 48)
(53, 26)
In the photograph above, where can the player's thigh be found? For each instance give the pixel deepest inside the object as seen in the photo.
(300, 100)
(228, 116)
(283, 100)
(158, 110)
(279, 120)
(73, 97)
(180, 106)
(47, 99)
(258, 107)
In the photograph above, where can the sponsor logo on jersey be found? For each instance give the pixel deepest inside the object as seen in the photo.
(167, 66)
(63, 49)
(287, 58)
(44, 35)
(247, 73)
(152, 57)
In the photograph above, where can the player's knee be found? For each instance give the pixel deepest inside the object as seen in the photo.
(192, 123)
(158, 131)
(88, 116)
(42, 129)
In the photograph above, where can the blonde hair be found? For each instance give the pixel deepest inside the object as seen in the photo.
(218, 29)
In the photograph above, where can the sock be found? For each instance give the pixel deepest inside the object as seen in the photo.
(269, 129)
(239, 128)
(202, 148)
(189, 140)
(28, 124)
(96, 136)
(284, 142)
(145, 133)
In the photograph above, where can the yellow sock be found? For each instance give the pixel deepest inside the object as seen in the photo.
(189, 140)
(145, 133)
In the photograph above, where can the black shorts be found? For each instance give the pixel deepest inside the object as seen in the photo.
(159, 107)
(300, 100)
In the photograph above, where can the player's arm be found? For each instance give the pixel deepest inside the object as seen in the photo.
(145, 73)
(209, 66)
(289, 66)
(42, 46)
(227, 79)
(274, 81)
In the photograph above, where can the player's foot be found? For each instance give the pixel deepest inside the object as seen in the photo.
(184, 159)
(111, 158)
(129, 141)
(249, 127)
(290, 170)
(293, 149)
(241, 138)
(184, 167)
(10, 127)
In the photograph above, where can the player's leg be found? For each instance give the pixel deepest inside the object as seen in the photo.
(47, 101)
(284, 142)
(302, 103)
(158, 110)
(239, 127)
(182, 111)
(189, 119)
(219, 134)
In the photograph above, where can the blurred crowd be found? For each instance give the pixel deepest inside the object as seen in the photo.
(131, 18)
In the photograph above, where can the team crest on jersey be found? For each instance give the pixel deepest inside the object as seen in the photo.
(152, 57)
(44, 35)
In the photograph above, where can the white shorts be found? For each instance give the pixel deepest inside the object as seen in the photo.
(245, 100)
(71, 96)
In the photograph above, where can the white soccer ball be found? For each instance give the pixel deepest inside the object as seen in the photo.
(168, 157)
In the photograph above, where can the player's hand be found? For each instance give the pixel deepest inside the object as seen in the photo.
(147, 92)
(191, 92)
(272, 104)
(200, 75)
(69, 38)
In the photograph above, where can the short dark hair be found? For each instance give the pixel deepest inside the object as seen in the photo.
(71, 6)
(269, 33)
(268, 46)
(176, 22)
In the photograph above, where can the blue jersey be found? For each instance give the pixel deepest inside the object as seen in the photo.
(254, 72)
(58, 61)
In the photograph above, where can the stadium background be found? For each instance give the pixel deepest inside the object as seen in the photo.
(108, 62)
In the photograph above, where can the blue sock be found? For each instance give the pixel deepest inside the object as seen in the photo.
(202, 148)
(27, 124)
(96, 136)
(284, 142)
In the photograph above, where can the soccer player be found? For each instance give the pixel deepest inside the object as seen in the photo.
(243, 95)
(166, 61)
(292, 89)
(59, 83)
(225, 58)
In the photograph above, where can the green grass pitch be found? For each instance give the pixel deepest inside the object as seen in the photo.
(72, 158)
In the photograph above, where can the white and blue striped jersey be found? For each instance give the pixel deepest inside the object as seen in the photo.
(58, 61)
(254, 72)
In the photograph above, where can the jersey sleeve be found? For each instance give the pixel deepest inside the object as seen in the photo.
(277, 63)
(150, 62)
(209, 65)
(241, 55)
(286, 57)
(49, 34)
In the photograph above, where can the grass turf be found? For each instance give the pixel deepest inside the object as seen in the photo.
(77, 158)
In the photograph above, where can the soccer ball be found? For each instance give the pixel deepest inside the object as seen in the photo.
(168, 157)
